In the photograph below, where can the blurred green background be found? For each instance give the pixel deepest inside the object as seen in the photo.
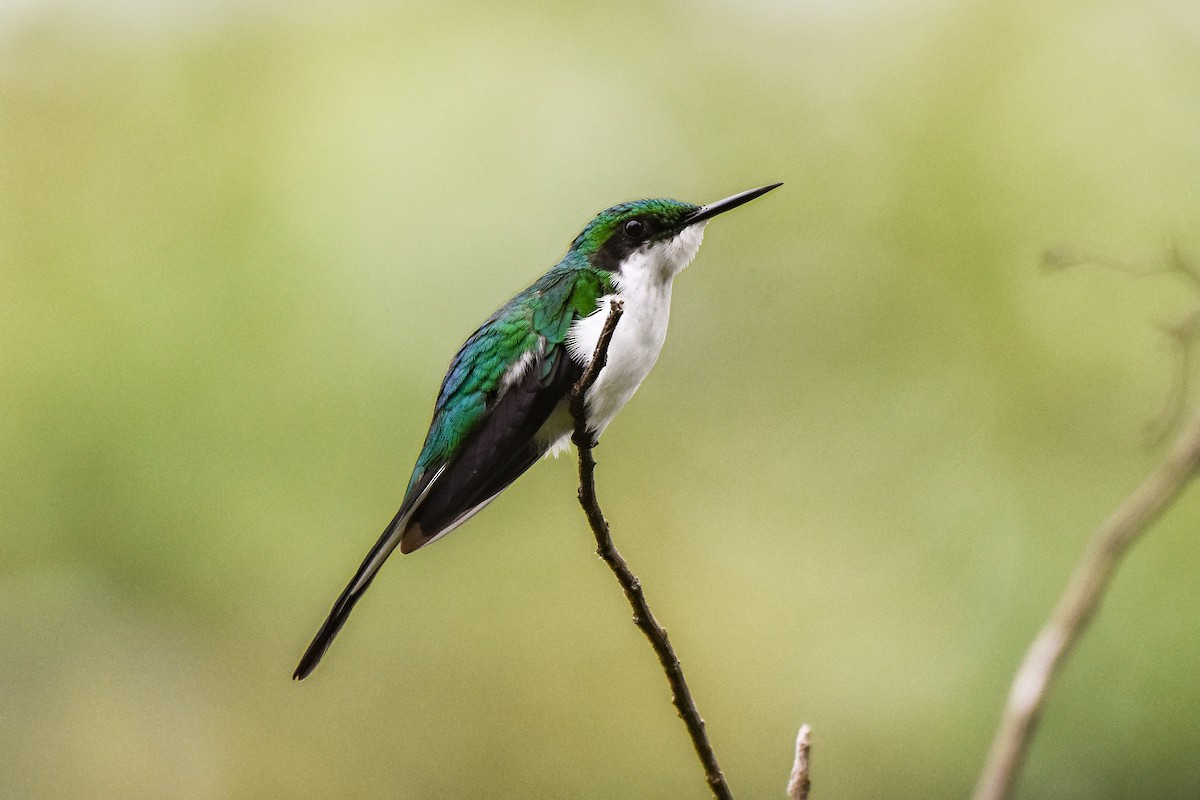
(240, 242)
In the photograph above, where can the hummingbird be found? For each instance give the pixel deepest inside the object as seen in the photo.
(504, 401)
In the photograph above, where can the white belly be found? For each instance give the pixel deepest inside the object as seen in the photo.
(635, 345)
(644, 287)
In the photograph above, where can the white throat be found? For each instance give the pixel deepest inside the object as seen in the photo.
(643, 284)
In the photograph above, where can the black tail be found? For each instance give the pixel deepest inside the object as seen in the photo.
(501, 447)
(320, 643)
(354, 590)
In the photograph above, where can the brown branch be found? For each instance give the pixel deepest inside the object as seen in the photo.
(1076, 608)
(585, 440)
(798, 783)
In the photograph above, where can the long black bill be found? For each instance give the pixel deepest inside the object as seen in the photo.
(721, 206)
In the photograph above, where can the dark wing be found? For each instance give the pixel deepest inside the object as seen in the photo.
(500, 447)
(495, 454)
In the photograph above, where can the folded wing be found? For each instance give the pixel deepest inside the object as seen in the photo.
(448, 489)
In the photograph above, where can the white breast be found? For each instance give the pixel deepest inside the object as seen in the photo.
(644, 286)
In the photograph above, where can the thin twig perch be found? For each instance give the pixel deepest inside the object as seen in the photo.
(798, 783)
(584, 441)
(1076, 608)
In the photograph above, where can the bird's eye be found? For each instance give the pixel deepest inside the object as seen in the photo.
(635, 229)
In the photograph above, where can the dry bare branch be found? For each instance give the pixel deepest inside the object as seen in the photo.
(584, 441)
(1076, 608)
(798, 783)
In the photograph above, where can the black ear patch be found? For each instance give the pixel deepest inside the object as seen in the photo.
(628, 237)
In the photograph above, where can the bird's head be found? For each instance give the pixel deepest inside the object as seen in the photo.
(651, 239)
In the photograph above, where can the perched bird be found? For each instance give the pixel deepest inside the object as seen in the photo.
(504, 401)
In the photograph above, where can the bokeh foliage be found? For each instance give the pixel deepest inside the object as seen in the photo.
(240, 242)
